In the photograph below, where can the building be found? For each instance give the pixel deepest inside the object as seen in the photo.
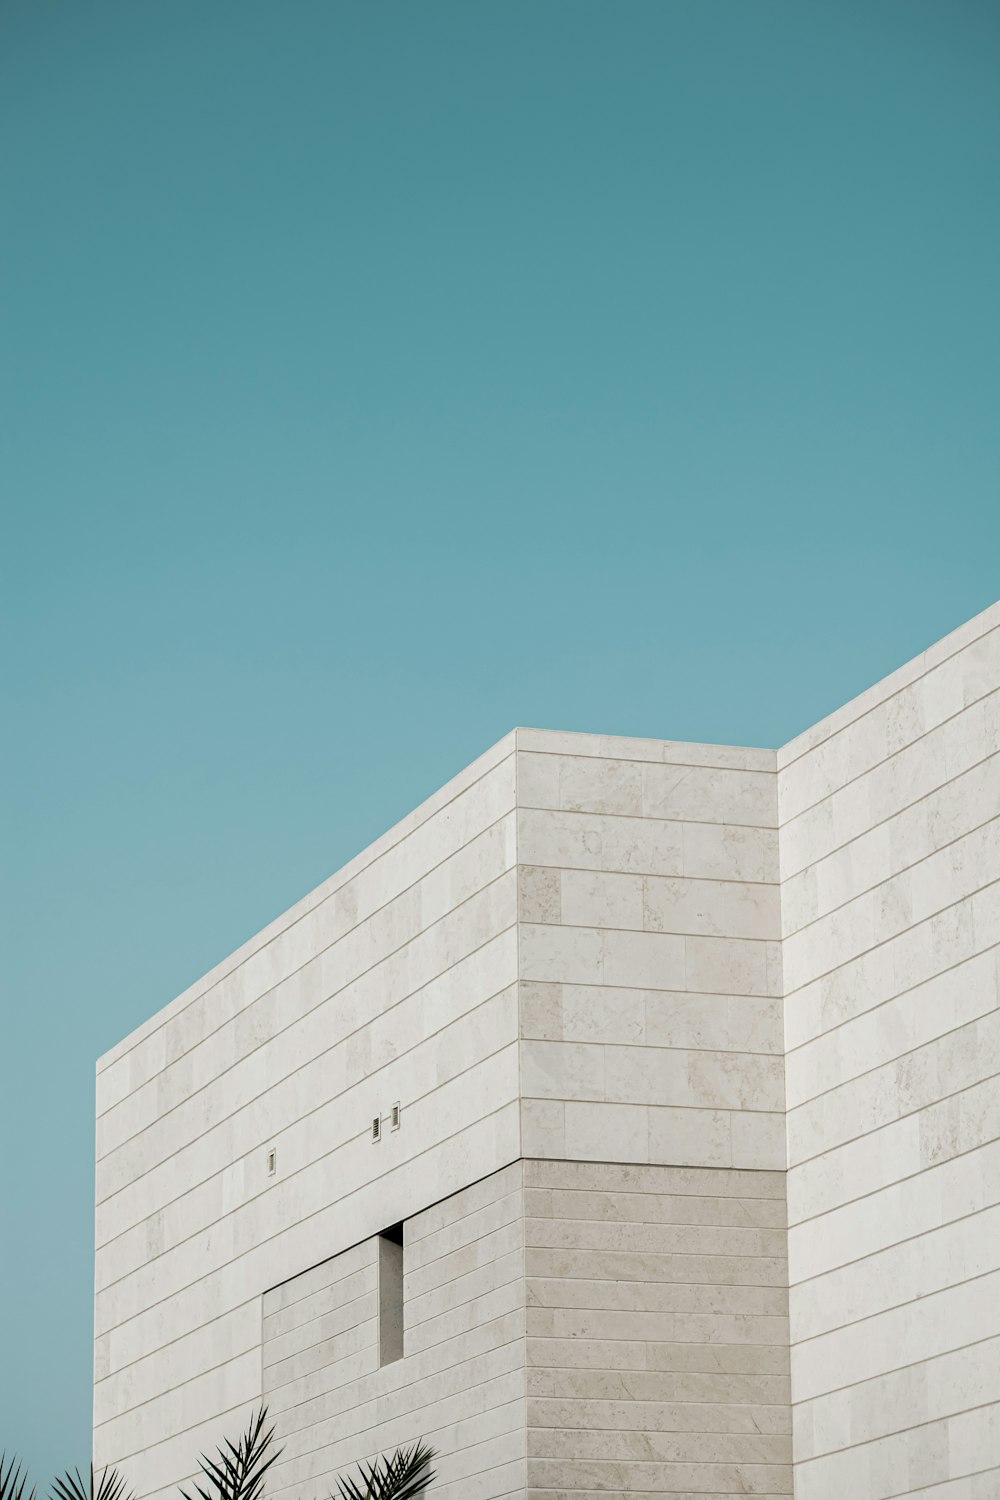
(490, 1138)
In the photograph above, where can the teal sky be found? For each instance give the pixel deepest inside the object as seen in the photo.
(375, 377)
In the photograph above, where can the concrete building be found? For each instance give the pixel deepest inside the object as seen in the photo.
(684, 1063)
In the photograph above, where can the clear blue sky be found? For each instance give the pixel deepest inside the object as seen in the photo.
(375, 377)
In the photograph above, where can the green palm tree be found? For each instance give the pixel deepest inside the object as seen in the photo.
(237, 1472)
(403, 1476)
(14, 1480)
(69, 1486)
(109, 1486)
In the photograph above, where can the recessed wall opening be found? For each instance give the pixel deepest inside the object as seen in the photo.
(390, 1294)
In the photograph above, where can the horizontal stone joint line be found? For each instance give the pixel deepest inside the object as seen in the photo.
(885, 942)
(338, 1043)
(878, 884)
(397, 1389)
(964, 1280)
(895, 1432)
(881, 702)
(917, 738)
(941, 1036)
(120, 1056)
(170, 1297)
(492, 1469)
(909, 1114)
(306, 1167)
(320, 951)
(654, 818)
(906, 1240)
(630, 874)
(885, 1188)
(872, 1010)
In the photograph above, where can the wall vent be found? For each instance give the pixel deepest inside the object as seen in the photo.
(272, 1161)
(377, 1128)
(395, 1115)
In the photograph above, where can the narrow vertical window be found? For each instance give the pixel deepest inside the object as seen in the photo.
(390, 1294)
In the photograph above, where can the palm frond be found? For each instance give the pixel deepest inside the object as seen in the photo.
(400, 1476)
(109, 1485)
(237, 1472)
(14, 1480)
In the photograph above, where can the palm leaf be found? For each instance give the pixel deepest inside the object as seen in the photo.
(110, 1485)
(401, 1476)
(14, 1480)
(238, 1469)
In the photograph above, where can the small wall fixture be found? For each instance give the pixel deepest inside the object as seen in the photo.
(395, 1115)
(272, 1161)
(377, 1128)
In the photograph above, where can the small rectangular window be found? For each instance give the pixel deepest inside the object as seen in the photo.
(390, 1294)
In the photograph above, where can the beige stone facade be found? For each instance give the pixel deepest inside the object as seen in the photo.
(615, 989)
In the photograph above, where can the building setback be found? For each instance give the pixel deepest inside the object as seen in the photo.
(684, 1064)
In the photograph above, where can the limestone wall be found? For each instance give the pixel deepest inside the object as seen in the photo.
(394, 981)
(595, 973)
(621, 1328)
(460, 1382)
(657, 1332)
(649, 952)
(890, 863)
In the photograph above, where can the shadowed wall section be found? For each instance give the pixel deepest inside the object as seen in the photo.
(460, 1381)
(657, 1311)
(571, 1327)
